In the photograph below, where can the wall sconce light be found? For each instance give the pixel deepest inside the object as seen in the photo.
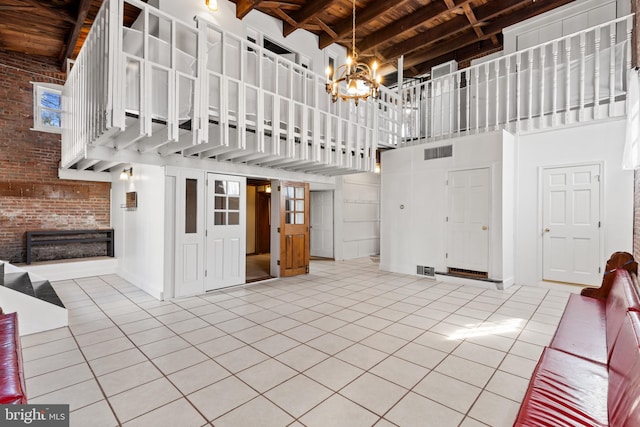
(268, 189)
(212, 5)
(377, 168)
(126, 174)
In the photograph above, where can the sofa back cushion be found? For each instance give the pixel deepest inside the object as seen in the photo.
(624, 382)
(622, 296)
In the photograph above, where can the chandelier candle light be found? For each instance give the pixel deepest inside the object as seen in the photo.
(361, 80)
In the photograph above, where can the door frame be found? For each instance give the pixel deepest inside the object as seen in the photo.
(282, 225)
(540, 222)
(333, 220)
(490, 222)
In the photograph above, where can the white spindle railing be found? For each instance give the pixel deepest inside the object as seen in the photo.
(555, 83)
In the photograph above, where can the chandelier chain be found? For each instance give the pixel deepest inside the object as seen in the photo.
(353, 32)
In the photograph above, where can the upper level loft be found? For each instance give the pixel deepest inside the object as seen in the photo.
(160, 91)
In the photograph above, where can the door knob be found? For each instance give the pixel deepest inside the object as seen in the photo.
(546, 230)
(485, 228)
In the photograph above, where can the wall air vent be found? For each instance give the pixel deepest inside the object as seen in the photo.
(438, 152)
(426, 271)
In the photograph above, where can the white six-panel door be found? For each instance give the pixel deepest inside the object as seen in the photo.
(571, 222)
(322, 224)
(226, 231)
(468, 220)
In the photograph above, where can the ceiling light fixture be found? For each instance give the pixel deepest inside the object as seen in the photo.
(360, 80)
(212, 5)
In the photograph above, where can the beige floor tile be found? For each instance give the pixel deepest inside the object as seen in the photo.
(526, 350)
(374, 393)
(56, 380)
(128, 378)
(484, 410)
(266, 375)
(415, 410)
(221, 397)
(253, 334)
(48, 349)
(304, 333)
(421, 355)
(338, 411)
(76, 396)
(139, 326)
(465, 370)
(330, 343)
(188, 325)
(400, 371)
(96, 415)
(202, 335)
(142, 399)
(298, 395)
(282, 324)
(361, 356)
(383, 342)
(448, 391)
(198, 376)
(178, 413)
(117, 361)
(31, 340)
(477, 353)
(333, 373)
(99, 336)
(275, 344)
(302, 357)
(508, 385)
(151, 335)
(52, 363)
(240, 359)
(517, 365)
(257, 412)
(106, 348)
(180, 359)
(470, 422)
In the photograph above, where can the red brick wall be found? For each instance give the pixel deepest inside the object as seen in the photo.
(31, 195)
(636, 215)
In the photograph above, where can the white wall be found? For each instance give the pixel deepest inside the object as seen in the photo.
(601, 142)
(357, 216)
(300, 41)
(139, 233)
(414, 203)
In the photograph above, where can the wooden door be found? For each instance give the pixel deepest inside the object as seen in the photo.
(571, 224)
(468, 220)
(294, 228)
(263, 223)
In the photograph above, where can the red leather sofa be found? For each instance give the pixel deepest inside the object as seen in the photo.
(12, 388)
(589, 375)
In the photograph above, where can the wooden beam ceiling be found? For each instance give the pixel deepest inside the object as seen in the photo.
(69, 47)
(308, 12)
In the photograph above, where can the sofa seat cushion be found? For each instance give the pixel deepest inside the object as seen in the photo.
(624, 381)
(12, 388)
(565, 390)
(582, 329)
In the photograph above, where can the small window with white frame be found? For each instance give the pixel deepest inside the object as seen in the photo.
(47, 107)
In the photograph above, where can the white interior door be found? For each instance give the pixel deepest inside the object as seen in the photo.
(226, 231)
(322, 224)
(571, 222)
(468, 220)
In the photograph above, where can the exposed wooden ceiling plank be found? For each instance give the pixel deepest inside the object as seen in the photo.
(363, 17)
(279, 5)
(46, 10)
(433, 51)
(420, 17)
(286, 18)
(243, 7)
(66, 51)
(484, 13)
(309, 11)
(327, 29)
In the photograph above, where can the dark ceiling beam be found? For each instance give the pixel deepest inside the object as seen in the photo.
(484, 13)
(44, 9)
(416, 19)
(243, 7)
(363, 17)
(285, 18)
(327, 29)
(308, 12)
(490, 30)
(72, 39)
(463, 54)
(279, 5)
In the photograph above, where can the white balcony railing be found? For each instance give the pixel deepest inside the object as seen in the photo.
(158, 87)
(572, 79)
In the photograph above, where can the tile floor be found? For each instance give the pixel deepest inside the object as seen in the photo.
(347, 345)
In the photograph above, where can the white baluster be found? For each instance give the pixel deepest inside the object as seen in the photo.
(554, 116)
(530, 91)
(543, 121)
(583, 48)
(596, 71)
(567, 111)
(497, 69)
(508, 91)
(458, 109)
(518, 89)
(477, 74)
(612, 67)
(487, 70)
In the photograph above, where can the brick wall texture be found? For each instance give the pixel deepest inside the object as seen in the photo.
(31, 195)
